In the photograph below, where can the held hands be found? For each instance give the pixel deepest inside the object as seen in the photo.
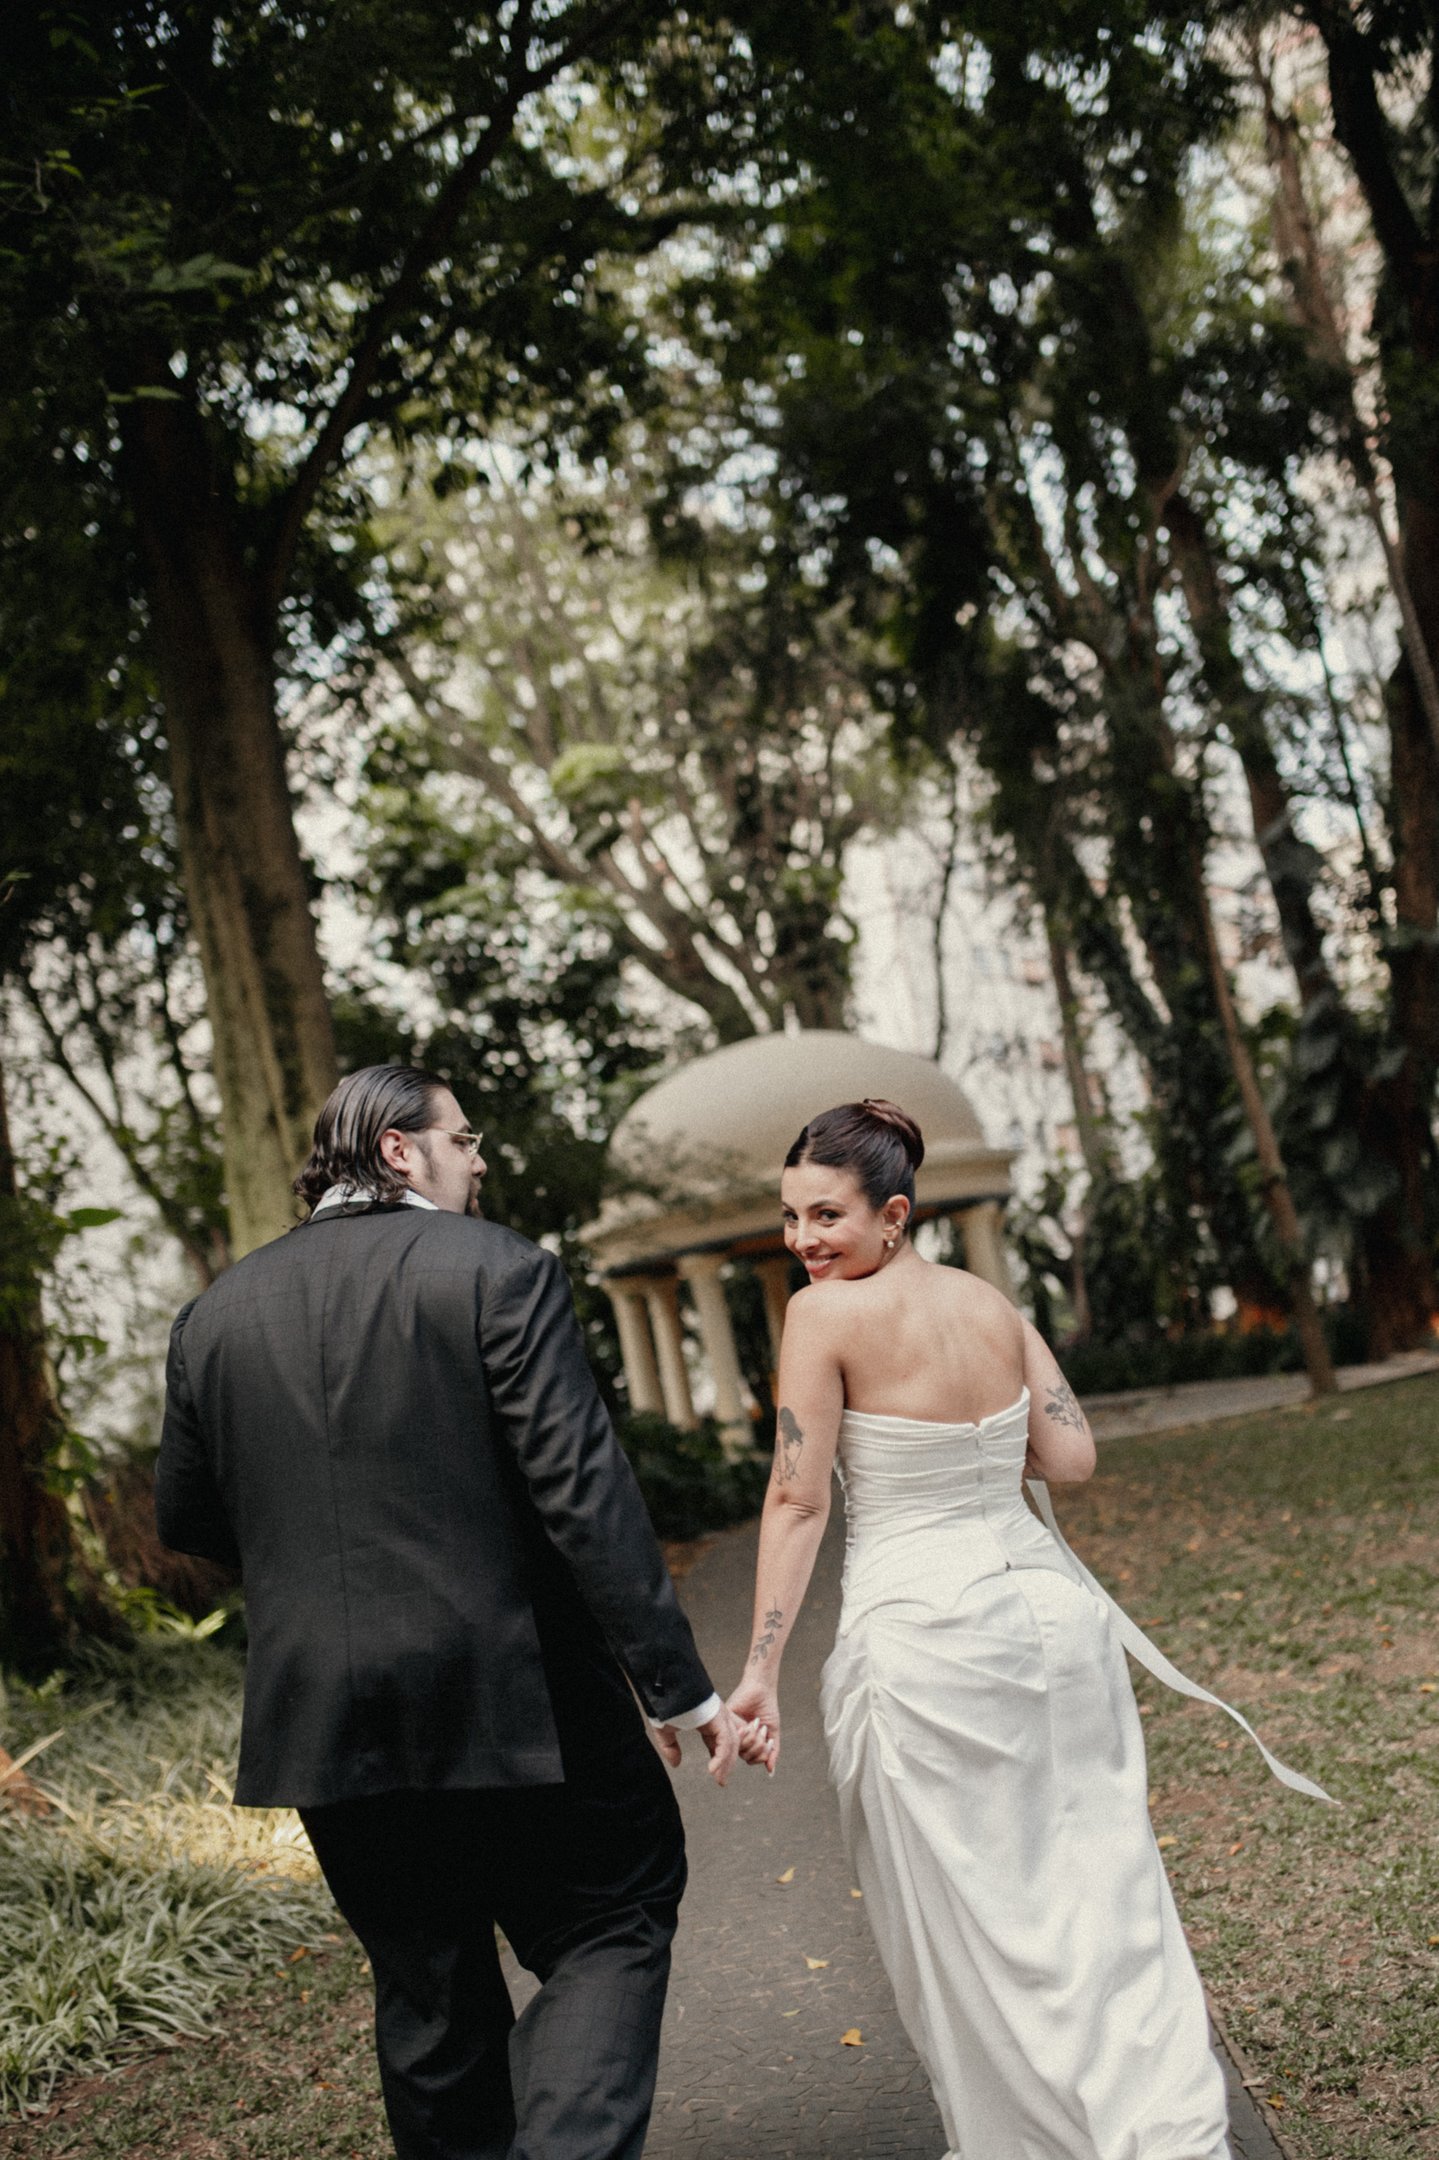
(720, 1736)
(755, 1704)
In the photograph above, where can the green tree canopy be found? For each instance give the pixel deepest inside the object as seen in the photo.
(236, 250)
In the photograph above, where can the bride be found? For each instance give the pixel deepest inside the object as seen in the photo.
(982, 1731)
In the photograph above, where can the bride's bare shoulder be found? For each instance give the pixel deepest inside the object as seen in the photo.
(974, 1301)
(971, 1290)
(817, 1301)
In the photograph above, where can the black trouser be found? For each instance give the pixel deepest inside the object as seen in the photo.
(585, 1879)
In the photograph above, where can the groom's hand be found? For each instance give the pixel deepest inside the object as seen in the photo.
(721, 1739)
(755, 1704)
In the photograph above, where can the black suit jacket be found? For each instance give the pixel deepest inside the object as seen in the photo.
(387, 1418)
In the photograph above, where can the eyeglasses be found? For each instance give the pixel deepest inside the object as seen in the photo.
(469, 1141)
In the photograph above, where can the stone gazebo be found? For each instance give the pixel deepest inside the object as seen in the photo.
(695, 1165)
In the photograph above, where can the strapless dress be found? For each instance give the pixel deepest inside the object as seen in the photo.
(988, 1755)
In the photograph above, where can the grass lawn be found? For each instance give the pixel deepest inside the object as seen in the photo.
(1289, 1561)
(131, 1911)
(289, 2076)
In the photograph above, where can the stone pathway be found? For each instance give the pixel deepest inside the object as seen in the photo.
(774, 1961)
(1201, 1402)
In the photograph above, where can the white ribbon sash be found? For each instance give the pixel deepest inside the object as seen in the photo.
(1145, 1653)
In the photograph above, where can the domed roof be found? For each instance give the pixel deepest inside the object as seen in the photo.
(696, 1161)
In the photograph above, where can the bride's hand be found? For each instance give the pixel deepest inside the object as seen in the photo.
(756, 1704)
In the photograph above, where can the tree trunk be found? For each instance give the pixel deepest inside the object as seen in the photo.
(245, 880)
(1393, 1263)
(1159, 841)
(48, 1595)
(1406, 1105)
(1277, 1197)
(1303, 260)
(1092, 1143)
(1407, 322)
(1289, 862)
(1396, 1245)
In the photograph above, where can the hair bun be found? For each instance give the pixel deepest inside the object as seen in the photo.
(900, 1123)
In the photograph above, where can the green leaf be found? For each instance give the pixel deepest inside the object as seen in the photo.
(195, 275)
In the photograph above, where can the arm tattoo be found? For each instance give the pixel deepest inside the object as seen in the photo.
(791, 1440)
(773, 1622)
(1063, 1406)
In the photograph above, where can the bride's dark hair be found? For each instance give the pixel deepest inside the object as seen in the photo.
(874, 1139)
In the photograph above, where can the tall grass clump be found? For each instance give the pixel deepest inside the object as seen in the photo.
(129, 1910)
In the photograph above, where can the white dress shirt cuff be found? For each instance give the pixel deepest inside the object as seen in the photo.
(686, 1720)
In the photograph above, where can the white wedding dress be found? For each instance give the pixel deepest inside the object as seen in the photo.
(987, 1750)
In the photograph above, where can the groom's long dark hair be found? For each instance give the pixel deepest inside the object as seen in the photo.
(346, 1149)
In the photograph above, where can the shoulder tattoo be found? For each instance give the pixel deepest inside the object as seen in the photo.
(791, 1441)
(1063, 1405)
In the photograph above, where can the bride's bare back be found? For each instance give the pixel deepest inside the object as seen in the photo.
(922, 1341)
(916, 1340)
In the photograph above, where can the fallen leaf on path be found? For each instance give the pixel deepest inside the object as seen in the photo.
(296, 1955)
(856, 1893)
(787, 1877)
(851, 2038)
(789, 2013)
(1237, 1846)
(816, 1964)
(1165, 1842)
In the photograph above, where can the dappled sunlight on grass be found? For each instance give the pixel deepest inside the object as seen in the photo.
(128, 1911)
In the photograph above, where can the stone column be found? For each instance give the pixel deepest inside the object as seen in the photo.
(702, 1271)
(984, 1253)
(642, 1375)
(663, 1298)
(774, 1281)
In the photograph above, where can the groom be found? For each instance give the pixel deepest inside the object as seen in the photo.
(451, 1584)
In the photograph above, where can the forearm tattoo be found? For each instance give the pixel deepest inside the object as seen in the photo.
(1063, 1406)
(773, 1622)
(791, 1440)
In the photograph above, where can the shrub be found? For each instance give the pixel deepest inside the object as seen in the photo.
(127, 1913)
(689, 1484)
(1154, 1361)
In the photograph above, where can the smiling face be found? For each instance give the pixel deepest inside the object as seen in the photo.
(830, 1226)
